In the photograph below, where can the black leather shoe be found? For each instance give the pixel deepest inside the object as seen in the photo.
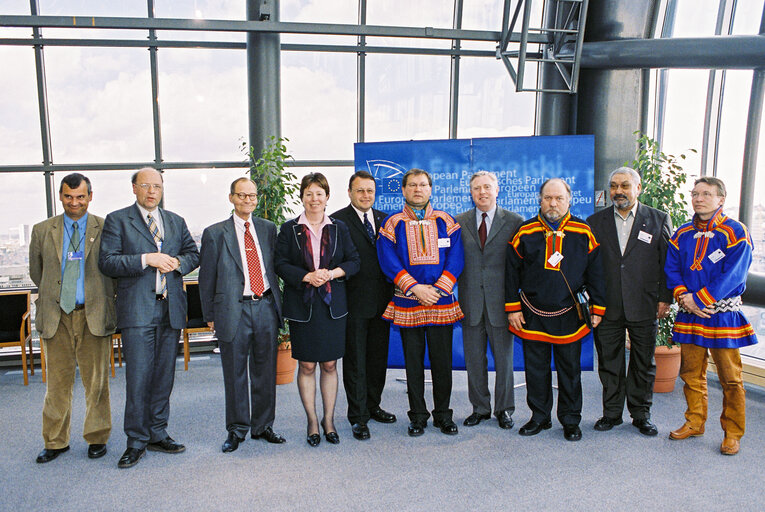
(572, 432)
(231, 443)
(313, 440)
(130, 458)
(48, 454)
(533, 428)
(360, 431)
(269, 435)
(645, 427)
(605, 423)
(505, 420)
(382, 416)
(167, 445)
(415, 429)
(447, 427)
(474, 419)
(96, 451)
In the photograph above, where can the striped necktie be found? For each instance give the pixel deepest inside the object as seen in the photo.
(154, 229)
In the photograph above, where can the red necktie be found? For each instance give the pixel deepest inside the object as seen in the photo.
(482, 230)
(253, 262)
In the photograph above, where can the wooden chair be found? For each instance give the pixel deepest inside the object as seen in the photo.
(194, 321)
(116, 343)
(16, 329)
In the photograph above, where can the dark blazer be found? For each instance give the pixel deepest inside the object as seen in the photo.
(368, 291)
(221, 275)
(483, 278)
(635, 281)
(124, 238)
(45, 253)
(291, 268)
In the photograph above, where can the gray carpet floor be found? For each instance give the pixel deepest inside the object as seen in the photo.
(484, 467)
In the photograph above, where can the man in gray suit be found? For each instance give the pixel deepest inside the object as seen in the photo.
(241, 301)
(148, 250)
(75, 318)
(481, 290)
(633, 239)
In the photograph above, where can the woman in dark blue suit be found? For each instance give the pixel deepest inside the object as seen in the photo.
(314, 256)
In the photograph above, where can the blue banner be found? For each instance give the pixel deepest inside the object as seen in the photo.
(521, 164)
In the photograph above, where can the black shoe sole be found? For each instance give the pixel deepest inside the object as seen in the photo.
(154, 448)
(528, 433)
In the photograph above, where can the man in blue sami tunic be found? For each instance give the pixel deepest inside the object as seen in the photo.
(707, 264)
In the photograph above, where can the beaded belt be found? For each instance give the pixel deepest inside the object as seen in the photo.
(723, 305)
(542, 313)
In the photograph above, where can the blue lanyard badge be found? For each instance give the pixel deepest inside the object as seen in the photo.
(74, 255)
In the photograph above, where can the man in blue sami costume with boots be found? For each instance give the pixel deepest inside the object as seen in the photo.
(707, 264)
(420, 250)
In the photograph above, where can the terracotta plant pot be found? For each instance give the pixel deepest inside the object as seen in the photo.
(285, 365)
(667, 368)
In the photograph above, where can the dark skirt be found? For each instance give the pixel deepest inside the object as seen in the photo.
(320, 339)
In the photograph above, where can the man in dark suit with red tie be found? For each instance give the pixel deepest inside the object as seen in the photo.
(366, 343)
(241, 301)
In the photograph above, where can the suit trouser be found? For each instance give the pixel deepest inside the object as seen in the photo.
(439, 342)
(636, 382)
(364, 365)
(74, 345)
(150, 354)
(536, 357)
(254, 345)
(693, 371)
(476, 364)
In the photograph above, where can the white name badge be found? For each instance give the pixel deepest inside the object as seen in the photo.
(645, 237)
(555, 259)
(444, 242)
(716, 256)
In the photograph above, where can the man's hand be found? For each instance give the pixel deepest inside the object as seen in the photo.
(516, 320)
(686, 300)
(162, 262)
(426, 294)
(595, 319)
(662, 310)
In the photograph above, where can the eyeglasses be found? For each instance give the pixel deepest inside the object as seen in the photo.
(243, 196)
(418, 185)
(703, 195)
(150, 186)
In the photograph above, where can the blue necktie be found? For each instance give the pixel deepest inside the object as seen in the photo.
(368, 226)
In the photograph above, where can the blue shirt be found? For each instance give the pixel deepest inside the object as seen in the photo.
(82, 224)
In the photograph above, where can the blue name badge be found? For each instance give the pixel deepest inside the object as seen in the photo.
(74, 256)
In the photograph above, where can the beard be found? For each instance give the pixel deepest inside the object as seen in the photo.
(552, 216)
(621, 202)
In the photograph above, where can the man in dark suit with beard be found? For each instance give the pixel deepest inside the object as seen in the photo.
(366, 346)
(633, 239)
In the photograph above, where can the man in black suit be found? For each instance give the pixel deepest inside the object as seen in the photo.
(366, 342)
(633, 240)
(242, 303)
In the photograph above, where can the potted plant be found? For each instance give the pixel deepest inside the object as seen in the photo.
(276, 187)
(662, 179)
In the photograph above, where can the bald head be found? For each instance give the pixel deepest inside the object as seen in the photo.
(147, 187)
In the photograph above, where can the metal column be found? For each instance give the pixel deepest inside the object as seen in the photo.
(454, 84)
(361, 74)
(155, 90)
(263, 76)
(42, 100)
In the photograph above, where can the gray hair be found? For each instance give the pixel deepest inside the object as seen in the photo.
(625, 170)
(542, 188)
(489, 174)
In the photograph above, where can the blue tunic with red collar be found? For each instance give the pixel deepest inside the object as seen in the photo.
(427, 251)
(710, 259)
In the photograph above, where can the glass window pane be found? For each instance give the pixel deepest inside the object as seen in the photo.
(488, 103)
(695, 18)
(684, 116)
(337, 178)
(203, 103)
(20, 119)
(747, 17)
(16, 225)
(487, 15)
(124, 8)
(405, 13)
(100, 104)
(319, 104)
(199, 9)
(320, 11)
(407, 97)
(730, 155)
(15, 7)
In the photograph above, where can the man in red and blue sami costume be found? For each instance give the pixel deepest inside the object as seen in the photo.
(549, 259)
(707, 264)
(420, 250)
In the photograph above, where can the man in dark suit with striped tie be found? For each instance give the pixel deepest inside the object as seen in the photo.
(366, 342)
(148, 250)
